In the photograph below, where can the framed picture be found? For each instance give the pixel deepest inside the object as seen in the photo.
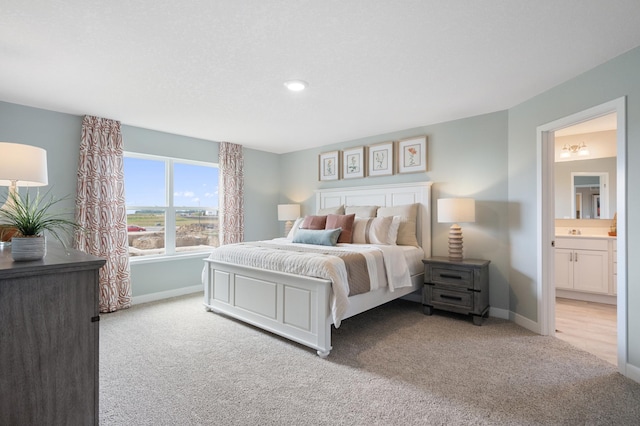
(329, 167)
(353, 163)
(412, 155)
(381, 159)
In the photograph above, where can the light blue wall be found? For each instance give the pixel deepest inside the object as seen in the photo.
(612, 80)
(60, 133)
(465, 158)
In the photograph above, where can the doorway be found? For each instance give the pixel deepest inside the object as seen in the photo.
(546, 220)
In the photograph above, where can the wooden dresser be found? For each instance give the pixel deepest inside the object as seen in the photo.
(49, 339)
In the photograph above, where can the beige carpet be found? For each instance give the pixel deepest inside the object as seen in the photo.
(173, 363)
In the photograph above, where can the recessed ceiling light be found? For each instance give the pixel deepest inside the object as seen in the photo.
(296, 85)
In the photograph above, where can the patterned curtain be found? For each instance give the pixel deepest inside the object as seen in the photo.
(232, 193)
(100, 209)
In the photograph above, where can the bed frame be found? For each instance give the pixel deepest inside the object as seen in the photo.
(297, 307)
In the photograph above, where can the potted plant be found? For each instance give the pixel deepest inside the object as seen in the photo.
(30, 217)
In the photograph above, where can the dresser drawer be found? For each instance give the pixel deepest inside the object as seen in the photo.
(451, 298)
(459, 277)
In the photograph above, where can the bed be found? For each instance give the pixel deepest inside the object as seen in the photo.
(303, 308)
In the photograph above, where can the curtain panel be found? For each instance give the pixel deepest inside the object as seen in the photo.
(232, 197)
(100, 209)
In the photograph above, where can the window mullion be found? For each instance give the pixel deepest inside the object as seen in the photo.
(170, 230)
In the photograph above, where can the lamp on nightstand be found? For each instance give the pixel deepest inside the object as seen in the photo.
(454, 211)
(20, 165)
(288, 213)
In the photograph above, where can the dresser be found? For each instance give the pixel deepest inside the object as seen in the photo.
(461, 287)
(49, 339)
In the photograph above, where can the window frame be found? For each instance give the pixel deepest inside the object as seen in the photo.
(170, 208)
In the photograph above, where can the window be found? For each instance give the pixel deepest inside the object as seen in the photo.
(172, 205)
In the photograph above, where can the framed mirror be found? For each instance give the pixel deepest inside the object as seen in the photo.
(590, 195)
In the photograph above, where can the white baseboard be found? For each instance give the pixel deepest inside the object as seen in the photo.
(524, 322)
(633, 372)
(499, 313)
(146, 298)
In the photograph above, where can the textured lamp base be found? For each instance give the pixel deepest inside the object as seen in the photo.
(287, 227)
(455, 243)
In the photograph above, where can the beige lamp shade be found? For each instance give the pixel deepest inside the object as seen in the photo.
(456, 210)
(22, 165)
(288, 211)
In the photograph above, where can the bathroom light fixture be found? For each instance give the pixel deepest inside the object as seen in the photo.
(569, 150)
(296, 85)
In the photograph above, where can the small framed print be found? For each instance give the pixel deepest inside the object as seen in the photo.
(381, 159)
(328, 166)
(412, 155)
(353, 163)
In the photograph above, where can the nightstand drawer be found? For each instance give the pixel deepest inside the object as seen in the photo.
(452, 276)
(460, 299)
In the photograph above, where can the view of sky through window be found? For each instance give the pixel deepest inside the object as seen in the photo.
(194, 185)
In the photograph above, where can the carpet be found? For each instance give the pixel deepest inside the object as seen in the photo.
(173, 363)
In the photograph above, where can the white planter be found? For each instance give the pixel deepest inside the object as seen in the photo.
(31, 248)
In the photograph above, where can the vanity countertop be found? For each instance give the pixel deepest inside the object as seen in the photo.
(597, 236)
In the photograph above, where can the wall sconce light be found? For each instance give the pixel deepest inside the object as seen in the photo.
(456, 210)
(288, 213)
(569, 150)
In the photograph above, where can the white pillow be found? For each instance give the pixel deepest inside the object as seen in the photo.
(331, 210)
(408, 216)
(294, 228)
(373, 230)
(393, 230)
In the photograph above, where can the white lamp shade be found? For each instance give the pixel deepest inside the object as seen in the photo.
(456, 210)
(24, 164)
(288, 211)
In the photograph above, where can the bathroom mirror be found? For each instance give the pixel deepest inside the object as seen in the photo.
(589, 195)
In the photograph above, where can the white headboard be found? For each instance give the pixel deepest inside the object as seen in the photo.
(386, 196)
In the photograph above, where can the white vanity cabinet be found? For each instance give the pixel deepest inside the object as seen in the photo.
(582, 264)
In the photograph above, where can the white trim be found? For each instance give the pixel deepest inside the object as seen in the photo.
(633, 372)
(546, 228)
(499, 313)
(138, 260)
(524, 322)
(153, 297)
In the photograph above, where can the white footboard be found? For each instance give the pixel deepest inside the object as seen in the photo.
(291, 306)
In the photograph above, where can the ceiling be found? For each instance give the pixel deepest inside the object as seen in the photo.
(215, 69)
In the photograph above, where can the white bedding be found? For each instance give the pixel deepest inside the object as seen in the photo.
(399, 263)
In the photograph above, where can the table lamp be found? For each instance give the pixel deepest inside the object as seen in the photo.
(288, 213)
(456, 210)
(20, 165)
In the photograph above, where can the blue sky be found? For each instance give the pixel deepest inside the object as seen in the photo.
(194, 185)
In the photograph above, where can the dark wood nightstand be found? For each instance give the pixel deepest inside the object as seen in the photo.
(461, 287)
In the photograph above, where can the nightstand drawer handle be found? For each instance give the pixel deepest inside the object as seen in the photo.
(456, 277)
(444, 296)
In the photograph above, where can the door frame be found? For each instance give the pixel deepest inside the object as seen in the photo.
(546, 219)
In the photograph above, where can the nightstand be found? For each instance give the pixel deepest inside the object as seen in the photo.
(461, 287)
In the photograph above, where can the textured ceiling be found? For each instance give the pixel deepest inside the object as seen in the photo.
(215, 69)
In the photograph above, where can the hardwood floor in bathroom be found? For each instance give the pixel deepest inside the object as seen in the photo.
(589, 326)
